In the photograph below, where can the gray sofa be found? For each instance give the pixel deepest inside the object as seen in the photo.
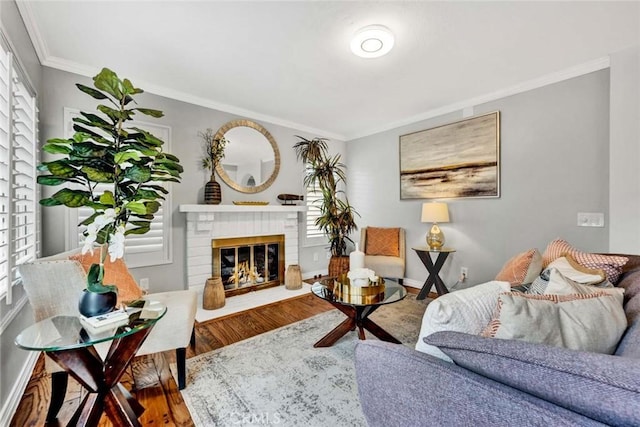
(498, 382)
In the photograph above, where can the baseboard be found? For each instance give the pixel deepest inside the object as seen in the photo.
(15, 395)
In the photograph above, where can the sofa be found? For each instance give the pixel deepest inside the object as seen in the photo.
(498, 382)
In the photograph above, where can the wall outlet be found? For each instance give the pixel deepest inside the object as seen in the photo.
(315, 257)
(464, 273)
(144, 283)
(590, 219)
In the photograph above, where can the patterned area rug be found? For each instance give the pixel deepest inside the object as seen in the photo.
(278, 378)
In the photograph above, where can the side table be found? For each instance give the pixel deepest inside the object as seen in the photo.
(424, 253)
(64, 340)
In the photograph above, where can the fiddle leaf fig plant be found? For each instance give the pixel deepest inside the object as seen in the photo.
(103, 150)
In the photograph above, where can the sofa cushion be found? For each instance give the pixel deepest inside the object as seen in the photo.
(383, 241)
(589, 322)
(522, 268)
(115, 273)
(611, 264)
(603, 387)
(467, 310)
(572, 269)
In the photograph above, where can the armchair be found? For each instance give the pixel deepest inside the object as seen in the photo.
(384, 251)
(53, 286)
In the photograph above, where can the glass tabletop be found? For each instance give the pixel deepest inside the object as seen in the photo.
(343, 293)
(67, 332)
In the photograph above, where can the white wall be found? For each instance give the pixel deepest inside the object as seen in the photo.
(554, 164)
(624, 163)
(185, 120)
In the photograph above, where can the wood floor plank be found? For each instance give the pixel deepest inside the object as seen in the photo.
(150, 379)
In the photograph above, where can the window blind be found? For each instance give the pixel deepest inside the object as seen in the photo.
(141, 250)
(18, 158)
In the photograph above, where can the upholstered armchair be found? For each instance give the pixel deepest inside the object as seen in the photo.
(384, 251)
(53, 286)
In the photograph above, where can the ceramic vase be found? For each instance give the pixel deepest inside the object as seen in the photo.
(94, 304)
(212, 191)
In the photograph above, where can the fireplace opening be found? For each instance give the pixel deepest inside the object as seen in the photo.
(248, 263)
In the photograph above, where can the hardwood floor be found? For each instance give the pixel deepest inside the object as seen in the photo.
(149, 378)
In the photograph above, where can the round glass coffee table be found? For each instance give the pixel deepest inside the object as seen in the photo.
(65, 340)
(357, 303)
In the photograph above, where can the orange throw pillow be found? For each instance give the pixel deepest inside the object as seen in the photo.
(115, 273)
(522, 268)
(383, 241)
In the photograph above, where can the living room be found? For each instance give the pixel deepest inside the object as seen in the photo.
(568, 144)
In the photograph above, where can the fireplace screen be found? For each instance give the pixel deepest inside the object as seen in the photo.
(249, 263)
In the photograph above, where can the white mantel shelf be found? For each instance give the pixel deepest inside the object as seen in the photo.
(241, 208)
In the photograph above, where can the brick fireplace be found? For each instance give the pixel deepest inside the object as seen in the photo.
(206, 223)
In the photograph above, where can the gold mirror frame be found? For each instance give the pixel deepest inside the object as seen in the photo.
(276, 157)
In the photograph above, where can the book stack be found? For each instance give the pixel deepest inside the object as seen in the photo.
(105, 322)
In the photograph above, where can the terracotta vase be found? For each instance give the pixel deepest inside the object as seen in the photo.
(212, 191)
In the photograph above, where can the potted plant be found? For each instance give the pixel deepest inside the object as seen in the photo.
(214, 152)
(324, 173)
(103, 152)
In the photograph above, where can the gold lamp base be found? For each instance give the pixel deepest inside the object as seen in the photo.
(435, 237)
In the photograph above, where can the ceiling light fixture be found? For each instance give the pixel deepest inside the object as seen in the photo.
(372, 41)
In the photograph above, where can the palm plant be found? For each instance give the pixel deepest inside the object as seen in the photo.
(324, 173)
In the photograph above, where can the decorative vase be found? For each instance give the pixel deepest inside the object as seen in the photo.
(212, 191)
(94, 304)
(213, 296)
(338, 265)
(293, 278)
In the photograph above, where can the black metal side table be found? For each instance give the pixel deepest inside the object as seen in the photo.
(424, 253)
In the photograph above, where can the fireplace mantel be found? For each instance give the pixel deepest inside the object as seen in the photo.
(241, 208)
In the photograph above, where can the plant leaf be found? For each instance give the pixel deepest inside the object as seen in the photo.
(138, 173)
(108, 81)
(91, 91)
(72, 198)
(137, 208)
(149, 112)
(56, 148)
(97, 175)
(107, 198)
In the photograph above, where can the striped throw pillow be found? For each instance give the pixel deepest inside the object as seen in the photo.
(611, 264)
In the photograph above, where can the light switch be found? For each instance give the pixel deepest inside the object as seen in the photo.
(590, 219)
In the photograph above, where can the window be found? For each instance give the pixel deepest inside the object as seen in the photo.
(18, 158)
(313, 235)
(141, 250)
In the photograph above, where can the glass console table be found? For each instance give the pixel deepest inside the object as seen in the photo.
(64, 340)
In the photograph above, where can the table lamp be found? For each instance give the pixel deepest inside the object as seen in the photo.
(435, 213)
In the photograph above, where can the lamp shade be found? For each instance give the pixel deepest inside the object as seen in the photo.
(435, 212)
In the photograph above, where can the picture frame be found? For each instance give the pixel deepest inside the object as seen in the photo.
(455, 160)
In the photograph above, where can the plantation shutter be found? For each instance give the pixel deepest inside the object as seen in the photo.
(313, 235)
(141, 250)
(18, 157)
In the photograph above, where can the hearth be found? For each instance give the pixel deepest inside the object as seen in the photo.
(248, 263)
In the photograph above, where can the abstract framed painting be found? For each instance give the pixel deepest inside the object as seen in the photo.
(460, 159)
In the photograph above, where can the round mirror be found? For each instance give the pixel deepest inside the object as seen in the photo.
(251, 158)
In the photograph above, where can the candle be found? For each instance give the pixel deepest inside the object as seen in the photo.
(356, 259)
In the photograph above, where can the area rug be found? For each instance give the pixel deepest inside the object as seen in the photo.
(278, 378)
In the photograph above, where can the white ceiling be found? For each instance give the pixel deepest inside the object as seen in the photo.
(289, 62)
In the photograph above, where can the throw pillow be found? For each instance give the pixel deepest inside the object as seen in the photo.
(467, 310)
(522, 268)
(600, 386)
(611, 264)
(573, 270)
(383, 241)
(115, 273)
(588, 322)
(561, 285)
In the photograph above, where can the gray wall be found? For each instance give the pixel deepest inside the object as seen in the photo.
(625, 151)
(185, 120)
(554, 164)
(12, 359)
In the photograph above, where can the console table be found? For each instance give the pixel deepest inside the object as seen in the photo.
(64, 340)
(424, 253)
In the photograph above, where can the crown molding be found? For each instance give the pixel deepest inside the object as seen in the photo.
(39, 44)
(566, 74)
